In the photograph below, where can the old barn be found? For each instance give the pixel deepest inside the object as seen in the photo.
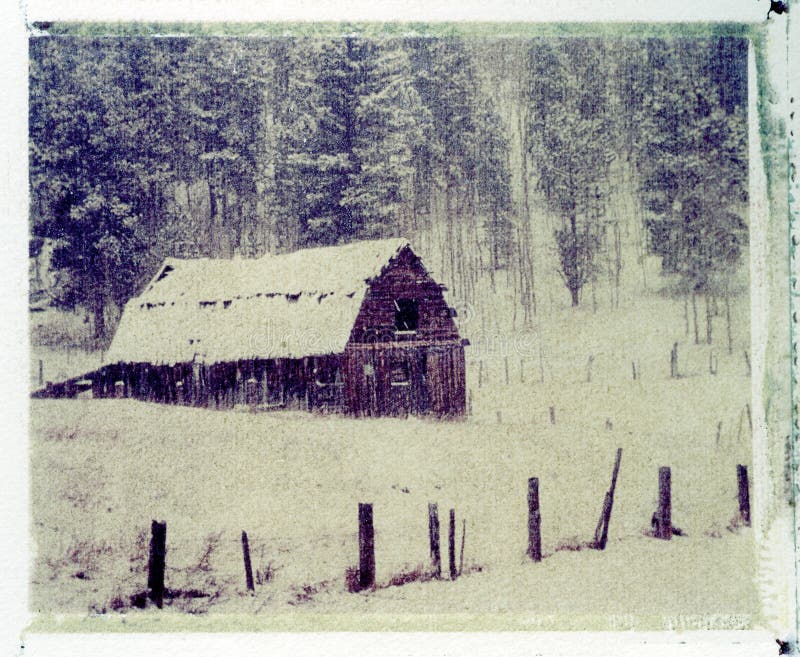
(360, 328)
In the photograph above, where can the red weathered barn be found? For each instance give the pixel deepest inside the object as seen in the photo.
(360, 328)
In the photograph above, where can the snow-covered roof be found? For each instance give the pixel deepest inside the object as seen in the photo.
(287, 306)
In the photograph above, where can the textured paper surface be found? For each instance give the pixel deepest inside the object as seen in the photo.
(758, 596)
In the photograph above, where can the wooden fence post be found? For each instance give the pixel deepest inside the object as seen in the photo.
(248, 568)
(601, 531)
(534, 521)
(673, 361)
(463, 538)
(157, 562)
(41, 373)
(662, 519)
(552, 415)
(433, 534)
(451, 545)
(366, 547)
(744, 494)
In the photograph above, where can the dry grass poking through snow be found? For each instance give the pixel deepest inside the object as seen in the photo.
(101, 470)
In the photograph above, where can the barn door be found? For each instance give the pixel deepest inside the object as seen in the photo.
(400, 383)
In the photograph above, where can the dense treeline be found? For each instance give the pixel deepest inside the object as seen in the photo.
(475, 149)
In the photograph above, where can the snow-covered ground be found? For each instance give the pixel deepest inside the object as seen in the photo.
(101, 470)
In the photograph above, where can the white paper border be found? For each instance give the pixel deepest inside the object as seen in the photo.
(14, 336)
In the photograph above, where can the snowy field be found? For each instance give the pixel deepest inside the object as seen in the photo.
(101, 470)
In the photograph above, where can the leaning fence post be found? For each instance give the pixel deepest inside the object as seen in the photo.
(601, 533)
(366, 547)
(155, 568)
(248, 568)
(662, 520)
(534, 521)
(433, 534)
(451, 545)
(744, 493)
(461, 553)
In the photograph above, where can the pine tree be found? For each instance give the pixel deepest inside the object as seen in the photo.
(83, 196)
(693, 168)
(380, 187)
(571, 142)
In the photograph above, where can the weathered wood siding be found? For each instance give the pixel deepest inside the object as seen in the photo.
(403, 278)
(430, 358)
(435, 382)
(280, 383)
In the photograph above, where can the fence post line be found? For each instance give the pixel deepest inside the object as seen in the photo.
(662, 520)
(451, 545)
(366, 547)
(433, 534)
(534, 521)
(248, 568)
(157, 562)
(744, 493)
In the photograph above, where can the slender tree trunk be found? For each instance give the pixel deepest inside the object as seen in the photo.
(617, 261)
(686, 313)
(210, 245)
(728, 321)
(572, 262)
(694, 315)
(99, 315)
(708, 320)
(526, 261)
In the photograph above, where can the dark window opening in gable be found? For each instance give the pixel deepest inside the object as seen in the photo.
(406, 315)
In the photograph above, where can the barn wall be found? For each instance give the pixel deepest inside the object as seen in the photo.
(358, 382)
(280, 383)
(436, 380)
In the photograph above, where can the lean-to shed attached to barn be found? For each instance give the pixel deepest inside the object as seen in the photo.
(360, 328)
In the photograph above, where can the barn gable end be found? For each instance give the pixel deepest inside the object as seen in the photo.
(404, 280)
(404, 354)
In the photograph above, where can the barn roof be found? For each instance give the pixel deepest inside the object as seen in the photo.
(286, 306)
